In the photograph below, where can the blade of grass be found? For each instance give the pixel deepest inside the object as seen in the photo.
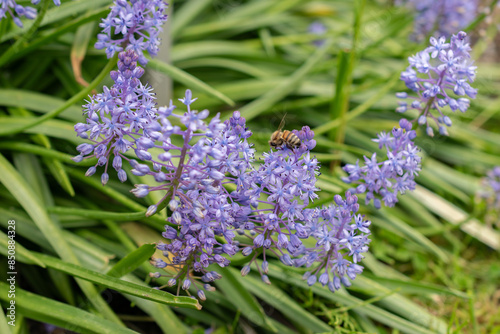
(44, 152)
(22, 254)
(343, 298)
(412, 234)
(53, 34)
(76, 98)
(186, 14)
(456, 216)
(5, 57)
(188, 80)
(266, 101)
(132, 261)
(243, 300)
(50, 311)
(79, 49)
(58, 171)
(346, 60)
(123, 286)
(55, 14)
(28, 200)
(4, 326)
(37, 102)
(278, 299)
(414, 287)
(362, 108)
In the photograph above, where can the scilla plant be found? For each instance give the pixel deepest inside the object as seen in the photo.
(189, 222)
(213, 191)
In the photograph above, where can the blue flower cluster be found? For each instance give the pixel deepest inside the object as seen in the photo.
(444, 17)
(439, 76)
(317, 28)
(490, 189)
(341, 239)
(133, 25)
(16, 11)
(116, 118)
(221, 200)
(277, 194)
(395, 174)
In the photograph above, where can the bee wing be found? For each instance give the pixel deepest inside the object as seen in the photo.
(282, 123)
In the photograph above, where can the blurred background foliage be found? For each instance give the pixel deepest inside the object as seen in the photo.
(433, 265)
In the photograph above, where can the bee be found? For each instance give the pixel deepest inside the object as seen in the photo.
(278, 138)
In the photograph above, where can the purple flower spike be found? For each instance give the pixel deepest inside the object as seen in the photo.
(447, 16)
(490, 190)
(133, 26)
(214, 189)
(439, 76)
(341, 239)
(391, 176)
(17, 11)
(116, 117)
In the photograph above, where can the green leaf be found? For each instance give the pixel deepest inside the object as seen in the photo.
(51, 128)
(231, 64)
(50, 311)
(4, 326)
(231, 286)
(402, 228)
(44, 152)
(340, 102)
(119, 285)
(398, 304)
(266, 101)
(275, 297)
(56, 168)
(342, 297)
(414, 287)
(22, 254)
(183, 51)
(188, 80)
(37, 102)
(186, 14)
(133, 260)
(79, 49)
(165, 318)
(19, 188)
(456, 216)
(55, 14)
(70, 102)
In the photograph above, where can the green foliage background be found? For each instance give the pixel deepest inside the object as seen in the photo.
(81, 248)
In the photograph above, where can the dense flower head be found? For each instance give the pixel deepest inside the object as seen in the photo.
(278, 193)
(341, 237)
(439, 77)
(133, 25)
(220, 199)
(317, 28)
(443, 17)
(16, 11)
(490, 190)
(117, 117)
(203, 212)
(393, 175)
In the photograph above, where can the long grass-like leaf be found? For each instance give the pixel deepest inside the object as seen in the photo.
(28, 200)
(242, 299)
(132, 261)
(264, 102)
(51, 311)
(188, 80)
(117, 284)
(285, 304)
